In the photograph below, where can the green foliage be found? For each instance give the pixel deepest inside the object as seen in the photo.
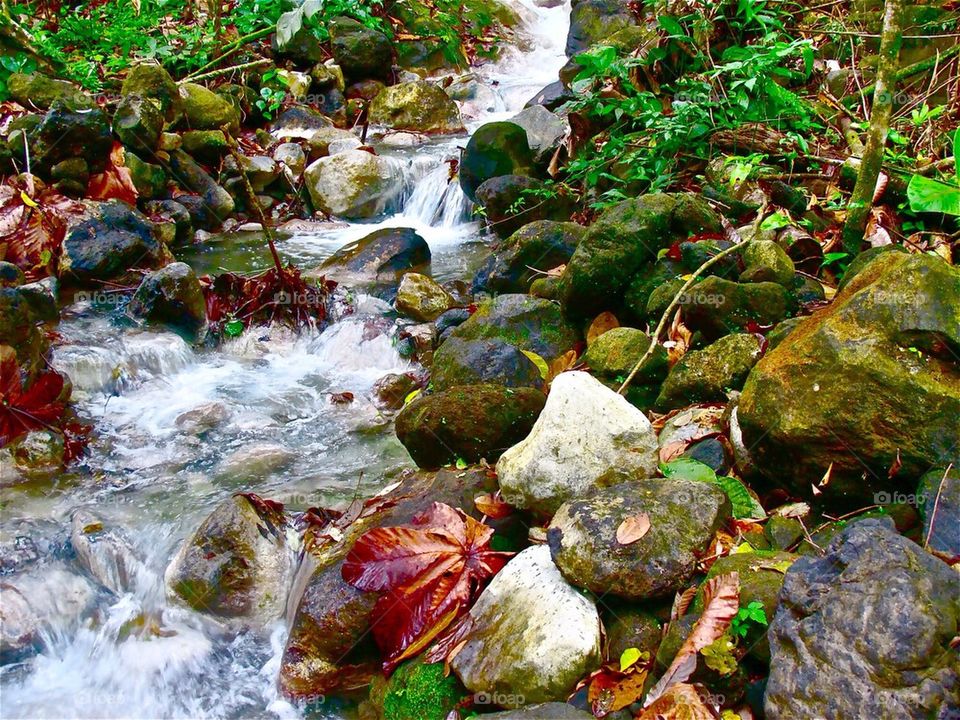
(272, 94)
(743, 504)
(10, 64)
(933, 196)
(748, 617)
(719, 657)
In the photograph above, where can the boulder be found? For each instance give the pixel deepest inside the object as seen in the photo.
(585, 431)
(392, 390)
(104, 246)
(236, 564)
(421, 298)
(543, 245)
(715, 306)
(594, 20)
(710, 374)
(292, 158)
(174, 212)
(417, 106)
(40, 91)
(10, 275)
(354, 184)
(511, 201)
(495, 149)
(938, 499)
(149, 179)
(684, 515)
(202, 418)
(153, 82)
(469, 423)
(865, 631)
(66, 133)
(103, 552)
(417, 691)
(626, 238)
(766, 261)
(869, 382)
(613, 355)
(627, 627)
(471, 362)
(553, 97)
(208, 146)
(361, 52)
(299, 121)
(205, 110)
(381, 259)
(545, 131)
(138, 123)
(20, 628)
(531, 637)
(528, 323)
(172, 295)
(218, 203)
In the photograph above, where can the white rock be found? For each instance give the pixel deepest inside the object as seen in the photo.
(104, 553)
(533, 636)
(584, 431)
(353, 184)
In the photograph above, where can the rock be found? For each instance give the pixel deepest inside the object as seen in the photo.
(218, 201)
(256, 461)
(392, 390)
(716, 306)
(112, 240)
(532, 636)
(864, 631)
(174, 212)
(361, 52)
(298, 121)
(323, 139)
(495, 149)
(511, 201)
(10, 275)
(585, 431)
(381, 258)
(66, 133)
(208, 146)
(420, 691)
(19, 625)
(543, 245)
(542, 711)
(469, 423)
(594, 20)
(418, 106)
(138, 123)
(421, 298)
(303, 47)
(104, 553)
(528, 323)
(889, 337)
(329, 75)
(39, 453)
(625, 239)
(260, 170)
(172, 295)
(766, 261)
(41, 299)
(470, 362)
(709, 375)
(203, 418)
(353, 185)
(236, 564)
(553, 97)
(292, 158)
(40, 91)
(628, 627)
(329, 635)
(150, 180)
(938, 499)
(205, 110)
(545, 131)
(153, 82)
(614, 354)
(683, 515)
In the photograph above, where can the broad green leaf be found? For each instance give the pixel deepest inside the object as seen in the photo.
(926, 195)
(956, 154)
(539, 362)
(670, 24)
(687, 469)
(411, 396)
(234, 328)
(629, 657)
(745, 506)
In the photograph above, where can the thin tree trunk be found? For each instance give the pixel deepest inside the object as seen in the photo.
(861, 201)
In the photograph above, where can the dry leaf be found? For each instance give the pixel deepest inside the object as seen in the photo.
(678, 340)
(115, 182)
(492, 506)
(601, 323)
(562, 364)
(680, 702)
(682, 601)
(633, 528)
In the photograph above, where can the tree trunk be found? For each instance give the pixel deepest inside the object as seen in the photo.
(861, 201)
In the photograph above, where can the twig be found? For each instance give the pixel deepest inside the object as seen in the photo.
(936, 505)
(915, 69)
(232, 48)
(228, 70)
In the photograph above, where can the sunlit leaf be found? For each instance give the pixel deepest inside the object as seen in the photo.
(633, 528)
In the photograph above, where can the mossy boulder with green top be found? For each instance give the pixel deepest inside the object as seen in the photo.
(417, 106)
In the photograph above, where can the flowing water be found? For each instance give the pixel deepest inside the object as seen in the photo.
(131, 652)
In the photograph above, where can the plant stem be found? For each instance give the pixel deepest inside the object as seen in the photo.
(232, 48)
(861, 201)
(911, 70)
(228, 70)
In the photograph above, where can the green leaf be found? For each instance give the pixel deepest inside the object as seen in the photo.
(745, 506)
(461, 464)
(777, 221)
(956, 154)
(234, 328)
(688, 469)
(933, 196)
(670, 24)
(411, 396)
(539, 362)
(629, 657)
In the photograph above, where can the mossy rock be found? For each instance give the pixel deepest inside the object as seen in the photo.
(613, 355)
(495, 149)
(650, 281)
(361, 52)
(153, 82)
(421, 691)
(150, 180)
(66, 133)
(709, 375)
(468, 423)
(766, 261)
(511, 201)
(717, 307)
(40, 91)
(138, 123)
(205, 145)
(543, 245)
(469, 362)
(206, 110)
(417, 106)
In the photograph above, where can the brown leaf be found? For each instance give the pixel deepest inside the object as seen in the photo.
(633, 528)
(341, 398)
(115, 182)
(721, 600)
(678, 341)
(680, 702)
(601, 323)
(493, 506)
(682, 602)
(562, 364)
(611, 690)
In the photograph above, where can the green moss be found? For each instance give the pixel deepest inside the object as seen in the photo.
(420, 691)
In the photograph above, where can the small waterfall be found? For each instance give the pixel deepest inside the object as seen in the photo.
(438, 201)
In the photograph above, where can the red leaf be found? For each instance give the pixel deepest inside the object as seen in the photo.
(22, 411)
(115, 182)
(428, 571)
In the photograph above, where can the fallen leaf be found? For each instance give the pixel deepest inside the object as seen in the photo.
(562, 364)
(539, 362)
(341, 398)
(680, 702)
(633, 528)
(115, 182)
(23, 410)
(612, 690)
(492, 506)
(601, 323)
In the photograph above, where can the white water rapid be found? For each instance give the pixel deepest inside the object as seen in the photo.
(131, 652)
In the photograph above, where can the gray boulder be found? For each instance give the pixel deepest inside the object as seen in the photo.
(865, 631)
(354, 184)
(468, 362)
(381, 259)
(172, 295)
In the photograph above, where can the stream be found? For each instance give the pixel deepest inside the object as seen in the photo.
(134, 653)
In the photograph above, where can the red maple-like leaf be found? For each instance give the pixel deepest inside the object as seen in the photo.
(22, 411)
(428, 572)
